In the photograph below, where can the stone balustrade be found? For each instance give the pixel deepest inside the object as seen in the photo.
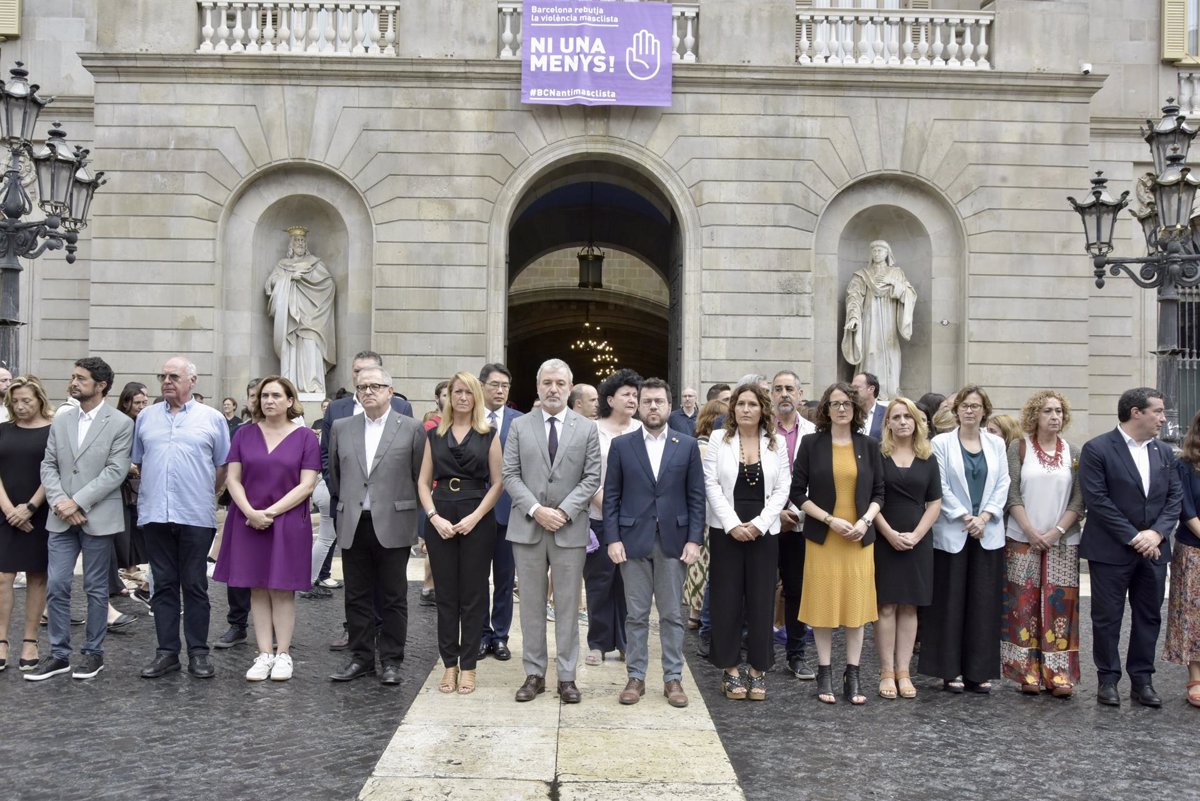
(893, 38)
(327, 27)
(684, 16)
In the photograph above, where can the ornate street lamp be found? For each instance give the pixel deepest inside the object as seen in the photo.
(65, 190)
(1167, 199)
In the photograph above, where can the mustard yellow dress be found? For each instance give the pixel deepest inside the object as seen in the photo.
(839, 575)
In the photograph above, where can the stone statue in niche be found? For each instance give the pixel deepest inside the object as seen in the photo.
(300, 294)
(879, 314)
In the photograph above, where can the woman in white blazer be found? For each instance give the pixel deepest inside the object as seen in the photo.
(960, 630)
(746, 480)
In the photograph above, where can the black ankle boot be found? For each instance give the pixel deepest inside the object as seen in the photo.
(851, 686)
(825, 682)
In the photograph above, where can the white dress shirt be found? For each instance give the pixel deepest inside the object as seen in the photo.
(85, 423)
(866, 426)
(1141, 458)
(373, 432)
(558, 426)
(655, 446)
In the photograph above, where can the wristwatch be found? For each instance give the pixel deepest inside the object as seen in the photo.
(31, 506)
(1060, 530)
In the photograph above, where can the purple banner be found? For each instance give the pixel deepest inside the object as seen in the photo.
(596, 54)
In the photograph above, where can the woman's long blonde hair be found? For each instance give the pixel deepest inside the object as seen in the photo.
(920, 438)
(479, 420)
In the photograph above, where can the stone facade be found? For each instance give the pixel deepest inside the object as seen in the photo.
(410, 172)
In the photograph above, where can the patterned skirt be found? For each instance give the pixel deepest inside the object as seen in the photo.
(1183, 608)
(1040, 632)
(697, 580)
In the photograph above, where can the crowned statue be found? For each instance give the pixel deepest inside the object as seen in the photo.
(879, 314)
(300, 294)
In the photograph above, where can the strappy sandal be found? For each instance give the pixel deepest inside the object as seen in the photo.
(825, 684)
(887, 684)
(466, 682)
(4, 661)
(734, 687)
(953, 685)
(978, 687)
(851, 686)
(758, 687)
(449, 680)
(25, 665)
(904, 685)
(1193, 698)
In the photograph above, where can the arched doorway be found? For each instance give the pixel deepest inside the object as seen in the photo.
(634, 318)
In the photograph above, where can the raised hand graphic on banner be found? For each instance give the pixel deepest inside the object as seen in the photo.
(643, 58)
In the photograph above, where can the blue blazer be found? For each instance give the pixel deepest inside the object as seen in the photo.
(637, 508)
(876, 432)
(344, 407)
(504, 504)
(1118, 507)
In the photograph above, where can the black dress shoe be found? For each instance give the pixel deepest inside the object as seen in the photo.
(704, 646)
(532, 688)
(1146, 696)
(501, 651)
(1107, 694)
(201, 666)
(484, 650)
(390, 675)
(799, 667)
(353, 671)
(235, 635)
(161, 666)
(429, 597)
(569, 693)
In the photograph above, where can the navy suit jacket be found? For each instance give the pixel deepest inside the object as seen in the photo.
(504, 503)
(1117, 506)
(637, 507)
(876, 432)
(344, 407)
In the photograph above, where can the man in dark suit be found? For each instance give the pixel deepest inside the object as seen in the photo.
(497, 381)
(868, 396)
(653, 529)
(337, 410)
(374, 460)
(1133, 498)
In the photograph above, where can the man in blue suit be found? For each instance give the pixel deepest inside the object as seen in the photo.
(1133, 497)
(653, 528)
(497, 381)
(873, 410)
(338, 409)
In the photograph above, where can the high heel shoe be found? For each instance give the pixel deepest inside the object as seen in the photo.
(758, 687)
(734, 686)
(904, 684)
(825, 684)
(851, 688)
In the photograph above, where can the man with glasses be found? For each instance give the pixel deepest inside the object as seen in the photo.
(374, 460)
(338, 409)
(683, 419)
(497, 381)
(180, 447)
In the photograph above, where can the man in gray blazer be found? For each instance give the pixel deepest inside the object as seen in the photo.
(87, 459)
(374, 461)
(551, 471)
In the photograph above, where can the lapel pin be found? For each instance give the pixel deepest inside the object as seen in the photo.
(674, 439)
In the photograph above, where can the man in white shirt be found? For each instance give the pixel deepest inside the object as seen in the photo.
(868, 397)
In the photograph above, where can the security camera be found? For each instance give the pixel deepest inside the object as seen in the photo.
(1085, 68)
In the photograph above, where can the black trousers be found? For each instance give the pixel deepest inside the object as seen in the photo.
(179, 559)
(741, 580)
(605, 592)
(460, 573)
(372, 569)
(960, 630)
(791, 573)
(504, 572)
(1145, 583)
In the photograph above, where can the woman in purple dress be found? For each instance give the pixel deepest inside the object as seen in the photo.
(267, 542)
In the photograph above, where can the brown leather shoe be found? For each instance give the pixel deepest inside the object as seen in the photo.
(676, 697)
(634, 690)
(532, 688)
(569, 693)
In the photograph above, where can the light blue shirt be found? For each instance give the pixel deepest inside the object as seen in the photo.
(179, 455)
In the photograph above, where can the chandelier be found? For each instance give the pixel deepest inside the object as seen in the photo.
(594, 348)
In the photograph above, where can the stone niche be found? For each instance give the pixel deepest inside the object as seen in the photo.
(253, 238)
(927, 242)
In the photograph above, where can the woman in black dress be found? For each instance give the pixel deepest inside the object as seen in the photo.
(23, 504)
(460, 483)
(904, 559)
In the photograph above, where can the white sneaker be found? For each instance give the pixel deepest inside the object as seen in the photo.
(262, 668)
(19, 582)
(282, 669)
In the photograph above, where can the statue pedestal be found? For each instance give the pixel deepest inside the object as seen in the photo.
(311, 401)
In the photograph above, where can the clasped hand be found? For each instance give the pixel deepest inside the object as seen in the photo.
(903, 541)
(550, 519)
(19, 517)
(69, 511)
(848, 531)
(974, 525)
(746, 532)
(1146, 543)
(260, 519)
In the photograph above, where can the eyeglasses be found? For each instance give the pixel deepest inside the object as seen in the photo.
(174, 378)
(497, 385)
(841, 404)
(364, 389)
(656, 402)
(970, 407)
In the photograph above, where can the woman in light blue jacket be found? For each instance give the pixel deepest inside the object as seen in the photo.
(960, 630)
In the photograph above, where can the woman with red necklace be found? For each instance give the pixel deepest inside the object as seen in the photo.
(1040, 632)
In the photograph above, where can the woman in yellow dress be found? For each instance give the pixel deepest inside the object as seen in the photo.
(837, 481)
